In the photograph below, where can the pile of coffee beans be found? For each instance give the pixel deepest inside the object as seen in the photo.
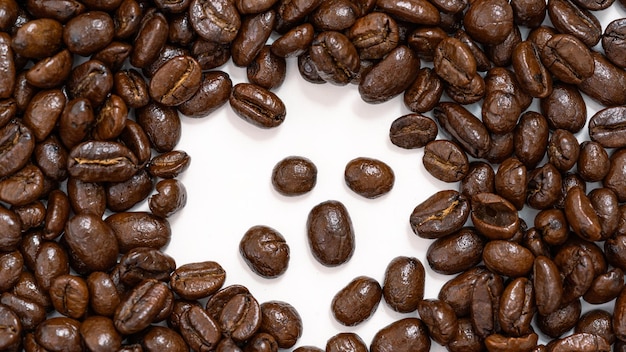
(91, 95)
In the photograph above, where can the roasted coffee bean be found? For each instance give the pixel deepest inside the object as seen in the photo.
(482, 61)
(104, 296)
(151, 37)
(17, 143)
(10, 262)
(507, 258)
(367, 177)
(98, 333)
(265, 251)
(569, 18)
(257, 105)
(606, 127)
(161, 124)
(267, 69)
(529, 13)
(86, 197)
(251, 37)
(122, 196)
(346, 341)
(564, 108)
(412, 131)
(408, 334)
(484, 303)
(567, 58)
(425, 91)
(493, 216)
(330, 233)
(281, 321)
(113, 55)
(131, 87)
(159, 338)
(110, 119)
(88, 32)
(500, 110)
(465, 339)
(23, 92)
(480, 179)
(605, 203)
(294, 42)
(499, 342)
(414, 11)
(581, 216)
(531, 137)
(38, 38)
(43, 112)
(357, 301)
(613, 42)
(294, 176)
(511, 181)
(101, 161)
(614, 179)
(210, 54)
(165, 54)
(51, 157)
(307, 69)
(171, 197)
(218, 300)
(9, 10)
(335, 57)
(144, 263)
(199, 330)
(456, 252)
(215, 21)
(532, 75)
(70, 295)
(439, 318)
(445, 160)
(500, 54)
(457, 291)
(139, 229)
(91, 80)
(547, 284)
(439, 215)
(214, 91)
(374, 35)
(142, 306)
(552, 225)
(453, 62)
(76, 122)
(597, 322)
(8, 110)
(30, 313)
(92, 241)
(605, 287)
(561, 320)
(59, 332)
(469, 94)
(489, 21)
(403, 285)
(170, 164)
(580, 342)
(563, 150)
(424, 40)
(28, 216)
(22, 187)
(607, 82)
(127, 19)
(57, 214)
(464, 128)
(240, 317)
(334, 15)
(544, 187)
(197, 280)
(517, 307)
(52, 71)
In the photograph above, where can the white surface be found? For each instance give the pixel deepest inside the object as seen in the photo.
(229, 191)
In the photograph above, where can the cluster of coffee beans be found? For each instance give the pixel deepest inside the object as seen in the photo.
(89, 121)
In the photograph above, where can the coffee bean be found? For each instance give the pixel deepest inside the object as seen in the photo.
(489, 21)
(564, 108)
(357, 301)
(517, 306)
(59, 332)
(493, 216)
(569, 18)
(265, 251)
(52, 71)
(439, 215)
(370, 178)
(257, 105)
(558, 56)
(439, 318)
(413, 11)
(293, 176)
(346, 341)
(425, 91)
(374, 35)
(464, 128)
(445, 160)
(330, 233)
(240, 317)
(456, 252)
(613, 42)
(141, 307)
(282, 321)
(198, 329)
(408, 334)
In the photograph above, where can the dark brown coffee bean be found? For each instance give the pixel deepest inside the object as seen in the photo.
(122, 196)
(445, 160)
(9, 10)
(494, 216)
(547, 284)
(605, 127)
(531, 138)
(240, 317)
(561, 320)
(558, 56)
(424, 41)
(335, 57)
(294, 176)
(414, 11)
(103, 294)
(91, 80)
(176, 81)
(127, 19)
(499, 342)
(507, 258)
(24, 186)
(171, 197)
(517, 307)
(99, 334)
(544, 187)
(489, 21)
(581, 216)
(453, 62)
(563, 150)
(597, 322)
(51, 261)
(465, 339)
(38, 38)
(614, 179)
(281, 321)
(131, 87)
(59, 332)
(213, 92)
(257, 105)
(30, 313)
(439, 215)
(19, 143)
(86, 197)
(101, 161)
(552, 225)
(484, 303)
(92, 241)
(403, 285)
(159, 338)
(369, 177)
(464, 128)
(580, 342)
(294, 42)
(170, 164)
(528, 13)
(111, 118)
(439, 318)
(70, 295)
(605, 287)
(57, 214)
(605, 203)
(456, 252)
(307, 69)
(530, 72)
(142, 306)
(8, 110)
(161, 124)
(607, 83)
(357, 301)
(88, 32)
(265, 251)
(199, 330)
(564, 108)
(425, 91)
(139, 229)
(28, 216)
(76, 122)
(23, 92)
(469, 94)
(151, 37)
(412, 131)
(374, 35)
(568, 18)
(511, 181)
(335, 15)
(613, 42)
(330, 233)
(210, 54)
(457, 291)
(267, 69)
(51, 157)
(52, 71)
(11, 263)
(480, 179)
(408, 334)
(113, 55)
(251, 37)
(165, 54)
(500, 54)
(197, 280)
(43, 112)
(143, 263)
(215, 21)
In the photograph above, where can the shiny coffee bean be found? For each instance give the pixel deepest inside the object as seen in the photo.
(142, 306)
(139, 229)
(293, 176)
(92, 241)
(240, 317)
(91, 80)
(383, 81)
(150, 39)
(403, 285)
(413, 11)
(330, 233)
(370, 178)
(346, 341)
(265, 251)
(493, 216)
(567, 58)
(282, 321)
(101, 161)
(605, 127)
(530, 71)
(59, 332)
(569, 18)
(70, 295)
(408, 334)
(440, 214)
(169, 164)
(511, 181)
(357, 301)
(161, 124)
(52, 71)
(445, 160)
(335, 57)
(489, 21)
(564, 108)
(425, 91)
(88, 32)
(412, 131)
(267, 69)
(257, 105)
(464, 128)
(613, 42)
(374, 35)
(607, 82)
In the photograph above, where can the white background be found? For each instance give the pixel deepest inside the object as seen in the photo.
(229, 191)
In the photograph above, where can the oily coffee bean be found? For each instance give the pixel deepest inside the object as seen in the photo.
(580, 342)
(424, 41)
(18, 143)
(605, 287)
(38, 38)
(143, 263)
(282, 321)
(88, 32)
(403, 285)
(357, 301)
(445, 160)
(70, 295)
(24, 186)
(10, 263)
(111, 118)
(439, 215)
(439, 318)
(334, 15)
(164, 55)
(552, 225)
(581, 216)
(103, 294)
(511, 181)
(567, 58)
(498, 342)
(408, 334)
(507, 258)
(613, 42)
(529, 13)
(265, 251)
(480, 179)
(257, 105)
(176, 81)
(605, 127)
(607, 82)
(569, 18)
(267, 69)
(92, 241)
(563, 150)
(142, 306)
(469, 94)
(43, 111)
(457, 291)
(57, 214)
(91, 80)
(564, 108)
(51, 157)
(544, 187)
(465, 338)
(454, 62)
(198, 329)
(424, 93)
(493, 216)
(28, 216)
(412, 131)
(531, 137)
(159, 338)
(76, 121)
(240, 317)
(161, 124)
(367, 177)
(294, 175)
(131, 87)
(547, 284)
(30, 313)
(489, 21)
(197, 280)
(308, 70)
(605, 203)
(294, 42)
(330, 233)
(614, 178)
(98, 333)
(464, 128)
(334, 57)
(122, 196)
(218, 300)
(171, 197)
(517, 307)
(346, 341)
(251, 37)
(597, 322)
(214, 92)
(484, 303)
(150, 39)
(374, 35)
(414, 11)
(86, 197)
(59, 332)
(560, 321)
(384, 81)
(101, 161)
(530, 71)
(456, 252)
(215, 21)
(139, 229)
(114, 55)
(51, 71)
